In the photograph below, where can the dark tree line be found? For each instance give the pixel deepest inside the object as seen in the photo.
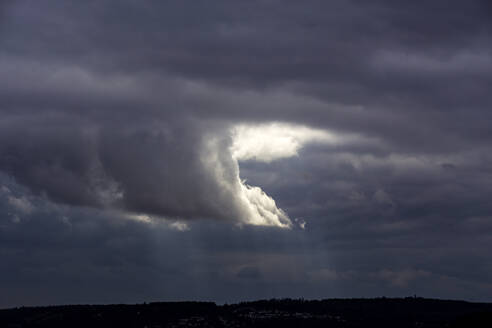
(380, 312)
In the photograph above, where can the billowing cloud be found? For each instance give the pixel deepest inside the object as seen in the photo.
(252, 205)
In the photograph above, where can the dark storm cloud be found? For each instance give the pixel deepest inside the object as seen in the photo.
(126, 106)
(348, 53)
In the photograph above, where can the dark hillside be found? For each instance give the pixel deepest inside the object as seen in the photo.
(380, 312)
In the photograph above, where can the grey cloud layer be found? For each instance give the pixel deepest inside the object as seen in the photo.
(375, 56)
(108, 104)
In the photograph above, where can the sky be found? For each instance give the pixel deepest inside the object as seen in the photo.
(235, 150)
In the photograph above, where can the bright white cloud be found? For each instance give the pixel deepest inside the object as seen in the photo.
(269, 142)
(261, 209)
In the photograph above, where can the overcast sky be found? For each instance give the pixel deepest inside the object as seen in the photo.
(233, 150)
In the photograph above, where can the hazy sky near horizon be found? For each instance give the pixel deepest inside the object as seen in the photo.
(233, 150)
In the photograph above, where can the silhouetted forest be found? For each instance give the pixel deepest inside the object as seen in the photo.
(379, 312)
